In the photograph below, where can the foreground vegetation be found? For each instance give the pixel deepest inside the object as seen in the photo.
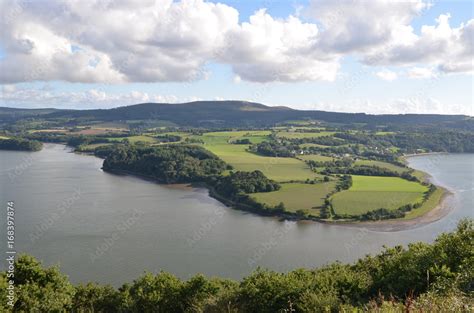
(436, 277)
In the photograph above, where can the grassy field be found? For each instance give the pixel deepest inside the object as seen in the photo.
(422, 176)
(91, 147)
(370, 193)
(382, 133)
(315, 157)
(134, 139)
(295, 196)
(389, 166)
(111, 125)
(428, 205)
(279, 169)
(225, 137)
(293, 135)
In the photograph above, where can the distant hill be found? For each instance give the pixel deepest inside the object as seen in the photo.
(241, 114)
(15, 113)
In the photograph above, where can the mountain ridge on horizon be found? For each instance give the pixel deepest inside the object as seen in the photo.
(231, 113)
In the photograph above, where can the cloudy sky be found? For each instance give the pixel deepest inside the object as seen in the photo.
(377, 56)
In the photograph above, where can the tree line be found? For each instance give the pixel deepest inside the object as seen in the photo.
(20, 144)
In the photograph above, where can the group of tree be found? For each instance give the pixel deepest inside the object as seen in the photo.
(244, 183)
(275, 149)
(413, 141)
(436, 277)
(20, 144)
(244, 141)
(168, 138)
(322, 140)
(166, 163)
(364, 170)
(344, 183)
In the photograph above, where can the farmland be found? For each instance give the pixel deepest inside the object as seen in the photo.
(302, 189)
(292, 135)
(315, 157)
(389, 166)
(279, 169)
(309, 162)
(297, 196)
(371, 193)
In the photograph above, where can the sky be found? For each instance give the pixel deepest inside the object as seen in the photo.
(377, 56)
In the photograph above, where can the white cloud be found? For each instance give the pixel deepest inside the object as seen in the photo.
(267, 49)
(359, 26)
(120, 41)
(411, 105)
(450, 49)
(387, 75)
(93, 98)
(420, 73)
(166, 40)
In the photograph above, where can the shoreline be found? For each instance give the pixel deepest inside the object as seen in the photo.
(393, 225)
(390, 225)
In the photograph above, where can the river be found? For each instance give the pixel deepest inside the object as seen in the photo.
(110, 229)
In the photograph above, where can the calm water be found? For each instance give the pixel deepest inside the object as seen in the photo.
(110, 228)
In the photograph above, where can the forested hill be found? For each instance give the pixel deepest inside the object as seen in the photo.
(241, 113)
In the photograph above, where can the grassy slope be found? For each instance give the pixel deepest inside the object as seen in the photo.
(279, 169)
(285, 134)
(134, 139)
(297, 196)
(381, 164)
(433, 201)
(371, 193)
(315, 157)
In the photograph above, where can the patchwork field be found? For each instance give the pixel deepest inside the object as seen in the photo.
(389, 166)
(315, 157)
(370, 193)
(279, 169)
(134, 139)
(434, 200)
(293, 135)
(296, 196)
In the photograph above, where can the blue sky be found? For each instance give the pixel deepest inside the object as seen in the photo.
(321, 75)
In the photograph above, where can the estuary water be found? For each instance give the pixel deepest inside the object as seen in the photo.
(111, 228)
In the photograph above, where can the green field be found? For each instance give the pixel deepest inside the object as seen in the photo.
(293, 135)
(315, 157)
(382, 133)
(111, 125)
(389, 166)
(296, 196)
(279, 169)
(422, 176)
(370, 193)
(134, 139)
(433, 201)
